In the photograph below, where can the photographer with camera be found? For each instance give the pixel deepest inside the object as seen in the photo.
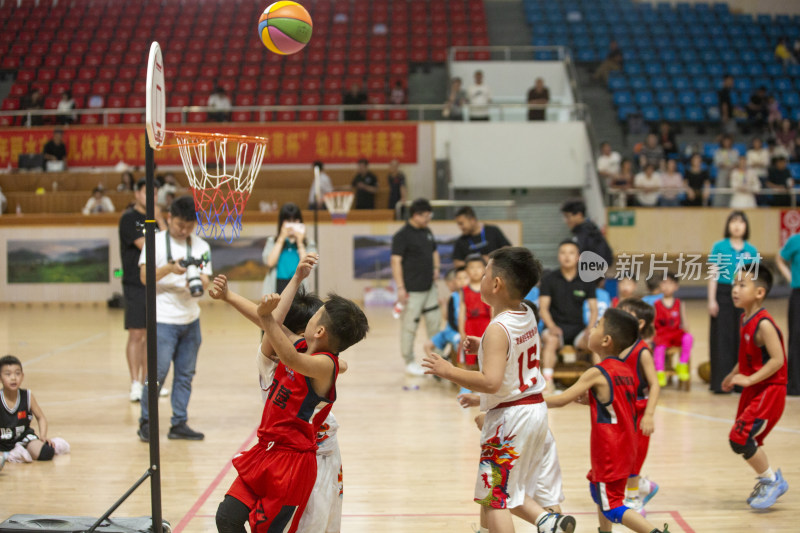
(283, 253)
(183, 270)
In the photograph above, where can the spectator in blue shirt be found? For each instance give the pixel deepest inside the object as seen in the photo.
(789, 265)
(283, 253)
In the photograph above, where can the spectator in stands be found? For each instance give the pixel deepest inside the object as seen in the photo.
(126, 182)
(651, 152)
(725, 99)
(612, 62)
(585, 233)
(672, 185)
(697, 181)
(98, 203)
(608, 163)
(282, 253)
(34, 101)
(397, 185)
(786, 136)
(647, 183)
(55, 149)
(783, 54)
(355, 96)
(3, 202)
(538, 95)
(365, 185)
(456, 100)
(666, 138)
(757, 109)
(398, 94)
(774, 115)
(325, 186)
(65, 106)
(758, 158)
(622, 183)
(725, 159)
(779, 179)
(776, 150)
(221, 105)
(479, 97)
(744, 182)
(167, 190)
(476, 237)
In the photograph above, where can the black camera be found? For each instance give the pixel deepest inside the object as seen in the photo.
(193, 266)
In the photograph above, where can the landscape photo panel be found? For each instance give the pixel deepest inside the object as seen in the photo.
(58, 261)
(372, 255)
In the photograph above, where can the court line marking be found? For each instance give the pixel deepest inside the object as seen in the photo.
(723, 420)
(192, 512)
(65, 348)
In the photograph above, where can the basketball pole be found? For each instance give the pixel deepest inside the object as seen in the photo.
(317, 188)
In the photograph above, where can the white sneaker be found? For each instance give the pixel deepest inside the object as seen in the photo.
(632, 503)
(136, 391)
(414, 369)
(60, 445)
(164, 392)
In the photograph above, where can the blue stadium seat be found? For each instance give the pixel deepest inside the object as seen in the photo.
(665, 98)
(716, 70)
(642, 41)
(680, 83)
(709, 56)
(672, 114)
(687, 98)
(643, 97)
(695, 69)
(794, 168)
(663, 42)
(764, 19)
(585, 55)
(632, 68)
(688, 55)
(722, 43)
(783, 84)
(624, 111)
(668, 56)
(752, 30)
(709, 98)
(639, 83)
(775, 70)
(791, 70)
(766, 56)
(701, 83)
(735, 69)
(647, 55)
(660, 83)
(729, 56)
(749, 56)
(622, 98)
(654, 69)
(709, 149)
(763, 82)
(701, 43)
(754, 70)
(651, 113)
(617, 81)
(789, 99)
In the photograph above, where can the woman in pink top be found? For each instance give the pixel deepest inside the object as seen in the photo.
(671, 184)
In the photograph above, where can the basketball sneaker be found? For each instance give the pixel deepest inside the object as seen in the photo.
(144, 432)
(769, 492)
(414, 369)
(647, 489)
(164, 392)
(184, 432)
(136, 391)
(633, 503)
(556, 523)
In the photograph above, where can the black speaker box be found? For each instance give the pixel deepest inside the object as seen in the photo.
(26, 523)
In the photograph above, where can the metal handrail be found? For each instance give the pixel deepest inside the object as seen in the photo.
(764, 191)
(508, 50)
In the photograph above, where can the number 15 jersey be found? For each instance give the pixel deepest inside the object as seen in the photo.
(522, 376)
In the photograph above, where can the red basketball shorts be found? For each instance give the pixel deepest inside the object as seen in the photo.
(760, 408)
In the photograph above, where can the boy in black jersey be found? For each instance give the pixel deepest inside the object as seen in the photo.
(18, 442)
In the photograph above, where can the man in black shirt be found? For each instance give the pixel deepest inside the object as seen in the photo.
(397, 185)
(726, 105)
(55, 149)
(779, 179)
(562, 294)
(476, 237)
(757, 108)
(415, 268)
(131, 241)
(355, 96)
(586, 233)
(365, 185)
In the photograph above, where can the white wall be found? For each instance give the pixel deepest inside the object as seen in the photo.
(511, 154)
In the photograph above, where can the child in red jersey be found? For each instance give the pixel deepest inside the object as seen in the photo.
(276, 475)
(671, 330)
(626, 288)
(640, 361)
(762, 372)
(611, 389)
(473, 315)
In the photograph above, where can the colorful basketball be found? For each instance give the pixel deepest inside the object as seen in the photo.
(285, 27)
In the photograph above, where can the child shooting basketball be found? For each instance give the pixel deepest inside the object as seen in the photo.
(510, 386)
(18, 442)
(473, 315)
(671, 331)
(611, 388)
(640, 360)
(323, 511)
(277, 475)
(762, 372)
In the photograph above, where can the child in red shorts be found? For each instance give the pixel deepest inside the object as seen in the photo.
(762, 372)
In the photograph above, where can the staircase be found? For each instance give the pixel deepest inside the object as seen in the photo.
(506, 22)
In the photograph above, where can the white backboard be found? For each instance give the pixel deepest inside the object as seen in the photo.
(156, 98)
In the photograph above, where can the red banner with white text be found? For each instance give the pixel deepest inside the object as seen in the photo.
(288, 144)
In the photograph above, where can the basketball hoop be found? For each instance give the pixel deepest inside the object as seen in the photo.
(220, 187)
(338, 204)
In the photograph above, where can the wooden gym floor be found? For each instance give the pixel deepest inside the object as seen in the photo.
(409, 456)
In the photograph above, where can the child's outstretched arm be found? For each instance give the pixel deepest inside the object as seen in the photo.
(589, 379)
(316, 368)
(649, 368)
(219, 291)
(489, 379)
(40, 419)
(766, 336)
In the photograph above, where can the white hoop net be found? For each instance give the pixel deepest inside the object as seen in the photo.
(221, 180)
(338, 204)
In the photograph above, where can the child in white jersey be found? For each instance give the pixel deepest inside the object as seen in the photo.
(323, 512)
(510, 385)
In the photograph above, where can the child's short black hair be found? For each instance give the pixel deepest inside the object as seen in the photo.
(8, 360)
(345, 321)
(622, 327)
(303, 307)
(642, 311)
(460, 269)
(420, 205)
(518, 267)
(652, 283)
(762, 276)
(183, 208)
(477, 258)
(466, 211)
(574, 206)
(534, 308)
(672, 277)
(569, 241)
(450, 274)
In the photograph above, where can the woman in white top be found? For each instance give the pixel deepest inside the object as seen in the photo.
(725, 160)
(758, 158)
(745, 183)
(65, 105)
(98, 203)
(672, 183)
(649, 182)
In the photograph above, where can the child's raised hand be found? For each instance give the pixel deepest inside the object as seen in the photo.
(434, 364)
(219, 288)
(306, 265)
(268, 304)
(469, 400)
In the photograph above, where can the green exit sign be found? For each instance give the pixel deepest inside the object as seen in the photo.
(622, 218)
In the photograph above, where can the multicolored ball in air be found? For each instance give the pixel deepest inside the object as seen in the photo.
(285, 27)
